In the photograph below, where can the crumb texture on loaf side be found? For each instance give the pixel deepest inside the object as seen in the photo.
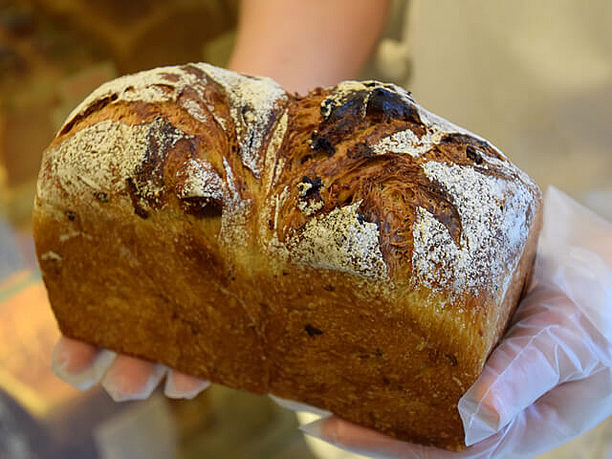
(344, 246)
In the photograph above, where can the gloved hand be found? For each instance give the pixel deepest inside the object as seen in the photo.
(550, 379)
(124, 378)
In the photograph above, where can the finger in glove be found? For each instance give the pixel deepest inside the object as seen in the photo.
(181, 385)
(552, 342)
(130, 378)
(80, 364)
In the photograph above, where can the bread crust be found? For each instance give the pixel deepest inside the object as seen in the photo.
(347, 249)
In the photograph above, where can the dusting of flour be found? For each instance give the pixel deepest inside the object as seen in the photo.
(252, 104)
(96, 158)
(493, 211)
(342, 241)
(252, 101)
(494, 229)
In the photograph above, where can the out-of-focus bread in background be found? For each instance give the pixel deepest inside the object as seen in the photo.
(53, 53)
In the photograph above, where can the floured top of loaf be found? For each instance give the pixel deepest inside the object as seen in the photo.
(357, 178)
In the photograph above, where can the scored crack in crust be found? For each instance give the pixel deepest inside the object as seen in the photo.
(357, 190)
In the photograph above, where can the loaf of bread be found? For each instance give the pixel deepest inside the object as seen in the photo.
(347, 249)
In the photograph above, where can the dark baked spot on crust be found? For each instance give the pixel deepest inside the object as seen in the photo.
(320, 144)
(378, 103)
(473, 155)
(383, 103)
(305, 159)
(452, 359)
(101, 196)
(329, 288)
(141, 212)
(202, 207)
(462, 139)
(94, 107)
(361, 218)
(312, 331)
(135, 198)
(440, 205)
(360, 150)
(194, 71)
(343, 119)
(52, 266)
(70, 215)
(350, 107)
(315, 186)
(327, 106)
(477, 147)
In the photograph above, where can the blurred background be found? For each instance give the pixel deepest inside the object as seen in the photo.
(533, 77)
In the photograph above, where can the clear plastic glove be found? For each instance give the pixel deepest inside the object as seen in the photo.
(124, 378)
(550, 379)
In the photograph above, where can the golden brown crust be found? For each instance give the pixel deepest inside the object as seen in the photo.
(347, 249)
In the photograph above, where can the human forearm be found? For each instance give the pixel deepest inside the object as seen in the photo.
(307, 43)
